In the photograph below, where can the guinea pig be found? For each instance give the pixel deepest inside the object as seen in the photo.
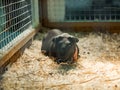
(60, 45)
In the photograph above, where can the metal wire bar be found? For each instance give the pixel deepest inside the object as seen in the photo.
(83, 10)
(17, 23)
(15, 18)
(20, 15)
(13, 32)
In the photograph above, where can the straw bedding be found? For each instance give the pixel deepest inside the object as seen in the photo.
(98, 67)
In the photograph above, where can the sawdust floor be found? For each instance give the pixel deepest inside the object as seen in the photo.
(98, 68)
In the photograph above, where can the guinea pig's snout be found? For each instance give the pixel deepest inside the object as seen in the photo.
(66, 44)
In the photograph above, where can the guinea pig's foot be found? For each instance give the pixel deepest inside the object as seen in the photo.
(43, 51)
(70, 61)
(58, 61)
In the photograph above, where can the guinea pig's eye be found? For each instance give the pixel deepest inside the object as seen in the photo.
(70, 39)
(60, 38)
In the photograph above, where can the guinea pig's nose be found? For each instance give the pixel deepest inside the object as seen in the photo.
(67, 42)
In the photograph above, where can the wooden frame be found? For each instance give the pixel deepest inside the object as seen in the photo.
(15, 51)
(77, 26)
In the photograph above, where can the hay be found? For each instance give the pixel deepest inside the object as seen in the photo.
(96, 69)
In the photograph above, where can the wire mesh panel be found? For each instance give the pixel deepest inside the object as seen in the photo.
(15, 19)
(83, 10)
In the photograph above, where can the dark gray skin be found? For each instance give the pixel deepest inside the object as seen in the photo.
(48, 44)
(59, 45)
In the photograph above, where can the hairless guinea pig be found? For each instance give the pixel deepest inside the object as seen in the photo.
(61, 46)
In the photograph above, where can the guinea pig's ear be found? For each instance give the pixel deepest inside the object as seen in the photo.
(57, 39)
(73, 39)
(76, 39)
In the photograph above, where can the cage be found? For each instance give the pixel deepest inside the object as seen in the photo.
(17, 20)
(23, 23)
(83, 15)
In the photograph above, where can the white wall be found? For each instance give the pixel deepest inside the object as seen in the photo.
(35, 13)
(56, 10)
